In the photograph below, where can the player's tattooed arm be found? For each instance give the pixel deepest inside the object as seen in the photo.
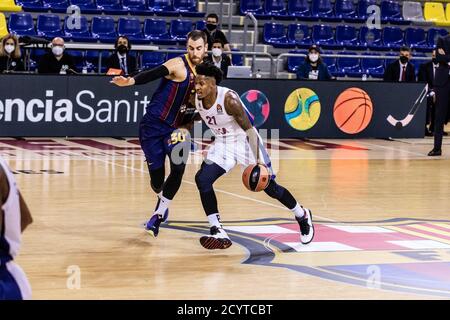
(234, 107)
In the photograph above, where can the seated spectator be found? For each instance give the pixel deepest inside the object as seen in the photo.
(220, 60)
(10, 59)
(313, 68)
(212, 33)
(121, 59)
(401, 70)
(56, 61)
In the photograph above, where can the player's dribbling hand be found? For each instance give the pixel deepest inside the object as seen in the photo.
(122, 81)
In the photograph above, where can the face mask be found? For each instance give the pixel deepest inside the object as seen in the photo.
(434, 60)
(216, 52)
(211, 26)
(313, 57)
(404, 59)
(122, 49)
(57, 50)
(9, 48)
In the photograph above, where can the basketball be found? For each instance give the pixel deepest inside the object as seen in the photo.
(256, 177)
(258, 105)
(353, 110)
(302, 109)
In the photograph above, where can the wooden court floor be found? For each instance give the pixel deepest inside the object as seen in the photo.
(381, 209)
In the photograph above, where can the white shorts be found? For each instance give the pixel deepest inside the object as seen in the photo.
(229, 151)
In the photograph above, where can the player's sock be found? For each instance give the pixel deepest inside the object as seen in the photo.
(162, 205)
(214, 220)
(298, 211)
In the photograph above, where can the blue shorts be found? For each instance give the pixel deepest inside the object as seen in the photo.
(158, 140)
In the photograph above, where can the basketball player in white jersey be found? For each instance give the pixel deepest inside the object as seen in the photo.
(14, 218)
(236, 141)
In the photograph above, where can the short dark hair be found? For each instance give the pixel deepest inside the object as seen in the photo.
(405, 48)
(209, 70)
(197, 34)
(218, 41)
(213, 15)
(123, 37)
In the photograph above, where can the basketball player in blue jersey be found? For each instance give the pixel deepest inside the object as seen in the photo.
(14, 218)
(236, 141)
(158, 134)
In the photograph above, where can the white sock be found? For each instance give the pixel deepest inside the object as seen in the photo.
(298, 211)
(214, 220)
(163, 205)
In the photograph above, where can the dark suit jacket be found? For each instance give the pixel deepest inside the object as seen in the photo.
(113, 62)
(224, 64)
(426, 74)
(392, 72)
(442, 76)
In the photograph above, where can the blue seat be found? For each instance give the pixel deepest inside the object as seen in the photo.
(49, 26)
(300, 9)
(373, 67)
(276, 8)
(433, 34)
(394, 58)
(362, 8)
(299, 35)
(103, 29)
(179, 29)
(237, 59)
(347, 36)
(137, 7)
(59, 6)
(78, 58)
(417, 63)
(162, 7)
(416, 39)
(152, 59)
(200, 25)
(171, 55)
(294, 62)
(275, 34)
(36, 53)
(86, 6)
(187, 8)
(253, 6)
(32, 5)
(21, 24)
(323, 9)
(323, 36)
(332, 65)
(391, 11)
(131, 28)
(393, 37)
(78, 30)
(92, 60)
(155, 30)
(346, 10)
(111, 6)
(350, 66)
(371, 38)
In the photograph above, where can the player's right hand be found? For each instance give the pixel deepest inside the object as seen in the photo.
(122, 81)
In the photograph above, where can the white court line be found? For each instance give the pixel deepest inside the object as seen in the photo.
(393, 149)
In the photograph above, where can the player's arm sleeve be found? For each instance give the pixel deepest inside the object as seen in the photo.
(150, 75)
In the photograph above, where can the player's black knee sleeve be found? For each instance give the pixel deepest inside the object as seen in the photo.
(205, 178)
(156, 178)
(274, 190)
(173, 181)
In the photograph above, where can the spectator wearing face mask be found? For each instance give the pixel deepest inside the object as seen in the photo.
(401, 70)
(220, 60)
(212, 33)
(313, 68)
(121, 59)
(10, 56)
(57, 61)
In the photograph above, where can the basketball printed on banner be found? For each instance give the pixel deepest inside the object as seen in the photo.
(353, 110)
(258, 105)
(302, 109)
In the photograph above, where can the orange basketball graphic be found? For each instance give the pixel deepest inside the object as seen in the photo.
(353, 110)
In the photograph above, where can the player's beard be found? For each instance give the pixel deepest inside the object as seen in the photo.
(196, 60)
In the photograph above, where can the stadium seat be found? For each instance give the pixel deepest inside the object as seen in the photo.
(32, 5)
(111, 6)
(156, 31)
(300, 9)
(412, 11)
(103, 29)
(136, 7)
(78, 58)
(162, 7)
(253, 6)
(78, 32)
(347, 36)
(200, 25)
(275, 34)
(49, 26)
(59, 6)
(323, 36)
(294, 62)
(350, 66)
(131, 28)
(3, 26)
(9, 6)
(391, 11)
(393, 37)
(86, 6)
(323, 9)
(152, 59)
(362, 8)
(179, 29)
(417, 62)
(299, 35)
(371, 38)
(21, 24)
(332, 64)
(433, 34)
(187, 8)
(276, 9)
(373, 67)
(416, 39)
(434, 12)
(92, 59)
(346, 10)
(237, 59)
(171, 55)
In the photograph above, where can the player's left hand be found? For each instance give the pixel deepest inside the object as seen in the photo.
(122, 81)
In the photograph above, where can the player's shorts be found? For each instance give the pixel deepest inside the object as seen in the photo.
(14, 284)
(159, 140)
(227, 152)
